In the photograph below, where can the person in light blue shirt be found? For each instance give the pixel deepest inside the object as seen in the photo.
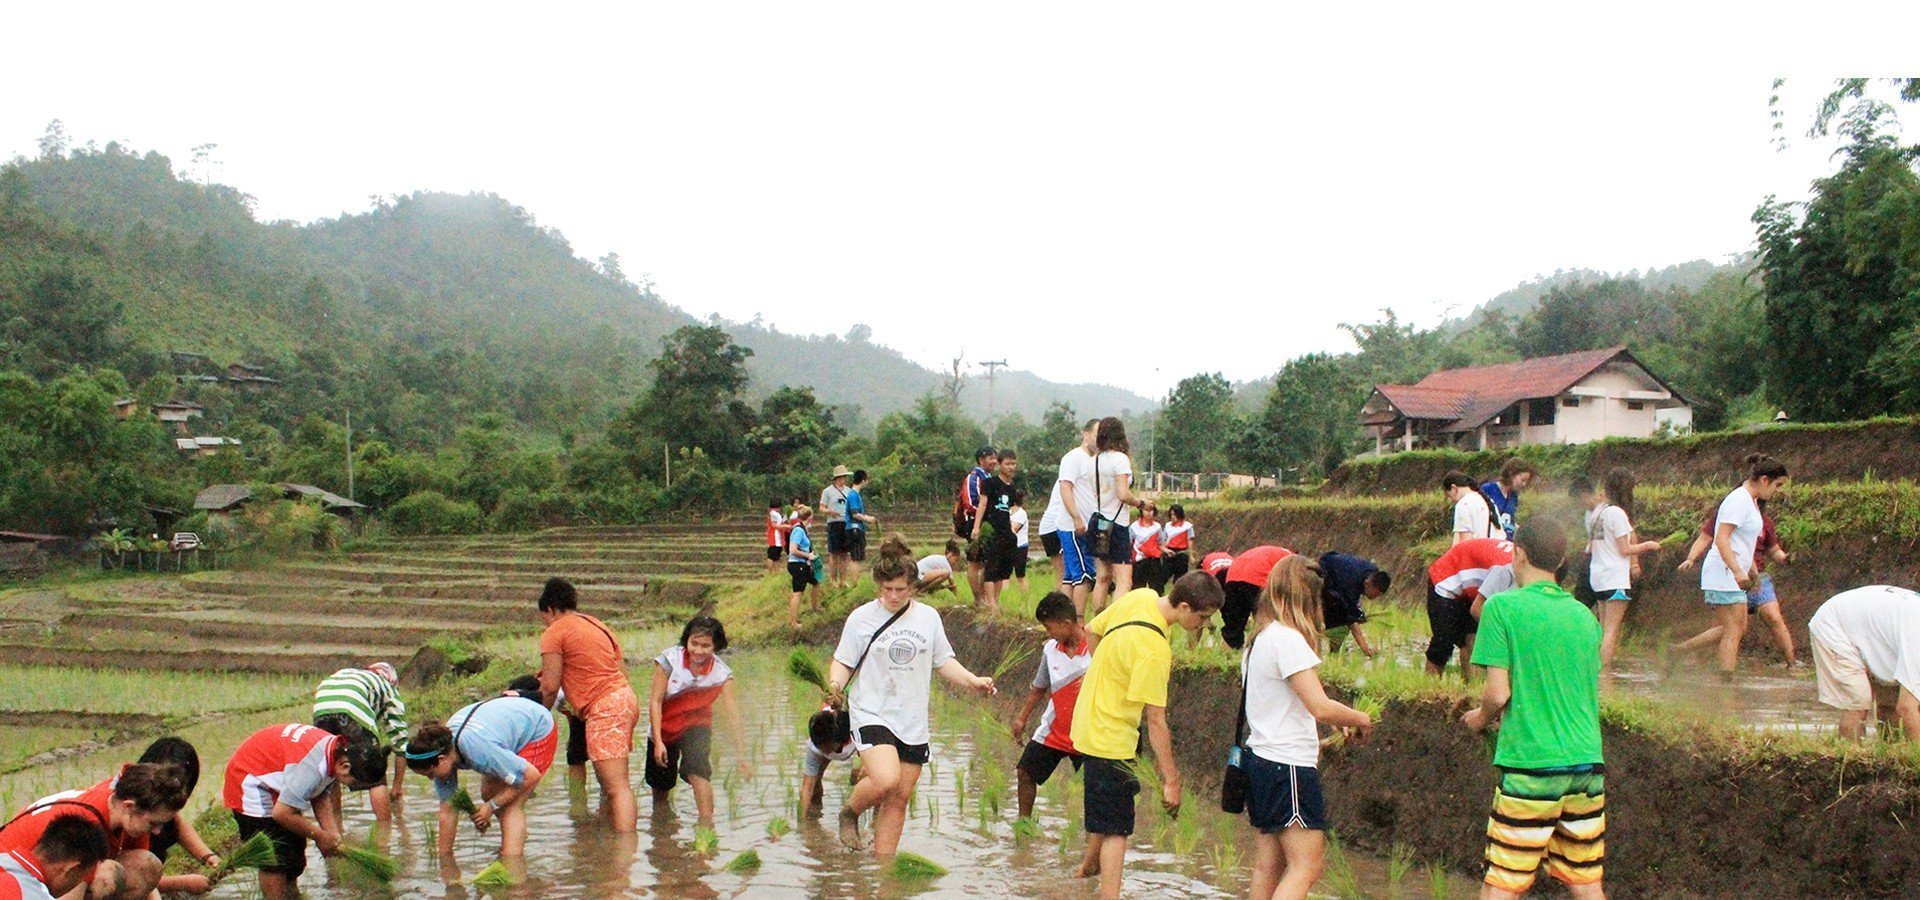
(857, 522)
(510, 740)
(801, 559)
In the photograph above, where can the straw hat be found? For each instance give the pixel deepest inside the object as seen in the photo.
(842, 472)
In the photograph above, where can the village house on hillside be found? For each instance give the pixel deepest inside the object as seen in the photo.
(1569, 399)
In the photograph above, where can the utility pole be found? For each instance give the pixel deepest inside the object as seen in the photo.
(993, 367)
(350, 455)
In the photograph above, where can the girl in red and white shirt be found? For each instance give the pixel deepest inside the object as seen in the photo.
(1146, 549)
(1177, 542)
(688, 679)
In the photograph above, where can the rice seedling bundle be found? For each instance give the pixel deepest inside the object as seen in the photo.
(801, 665)
(705, 840)
(777, 827)
(462, 802)
(253, 853)
(1025, 829)
(371, 863)
(747, 861)
(914, 867)
(494, 875)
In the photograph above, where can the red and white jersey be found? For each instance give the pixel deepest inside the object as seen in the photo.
(1216, 562)
(292, 764)
(25, 830)
(1179, 538)
(21, 877)
(690, 694)
(1254, 565)
(1060, 675)
(1146, 541)
(1457, 574)
(775, 538)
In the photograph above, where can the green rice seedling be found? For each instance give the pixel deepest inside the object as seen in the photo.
(802, 666)
(777, 827)
(1339, 876)
(1439, 886)
(960, 789)
(371, 863)
(1069, 840)
(494, 875)
(1225, 857)
(706, 841)
(1399, 863)
(747, 862)
(253, 853)
(1186, 836)
(1011, 658)
(462, 802)
(1025, 829)
(914, 867)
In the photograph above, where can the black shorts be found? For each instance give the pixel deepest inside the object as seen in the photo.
(997, 561)
(773, 553)
(1280, 795)
(1177, 564)
(1039, 761)
(1050, 542)
(289, 849)
(1241, 598)
(688, 758)
(801, 573)
(1107, 795)
(1452, 622)
(1020, 555)
(836, 537)
(878, 735)
(857, 544)
(576, 741)
(1152, 572)
(1120, 548)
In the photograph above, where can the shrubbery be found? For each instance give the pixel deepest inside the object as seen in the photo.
(431, 512)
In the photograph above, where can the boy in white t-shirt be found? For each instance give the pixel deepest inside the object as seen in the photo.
(1022, 542)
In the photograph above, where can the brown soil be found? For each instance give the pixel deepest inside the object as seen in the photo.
(1680, 823)
(179, 660)
(114, 723)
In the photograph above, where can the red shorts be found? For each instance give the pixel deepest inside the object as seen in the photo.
(540, 752)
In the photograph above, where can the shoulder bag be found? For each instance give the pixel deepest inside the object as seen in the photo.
(1101, 530)
(1233, 782)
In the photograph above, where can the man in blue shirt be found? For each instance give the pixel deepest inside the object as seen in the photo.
(1345, 580)
(857, 522)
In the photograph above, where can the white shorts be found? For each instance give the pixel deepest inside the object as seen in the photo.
(1841, 679)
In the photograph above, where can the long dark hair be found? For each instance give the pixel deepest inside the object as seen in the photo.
(1110, 435)
(1619, 486)
(1760, 465)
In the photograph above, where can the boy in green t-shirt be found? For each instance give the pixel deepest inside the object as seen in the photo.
(1541, 650)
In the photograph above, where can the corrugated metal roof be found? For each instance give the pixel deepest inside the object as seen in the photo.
(327, 498)
(222, 496)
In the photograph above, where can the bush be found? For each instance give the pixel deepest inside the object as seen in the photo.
(521, 509)
(430, 512)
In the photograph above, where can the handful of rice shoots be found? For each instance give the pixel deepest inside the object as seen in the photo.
(371, 863)
(494, 875)
(253, 853)
(801, 665)
(462, 802)
(914, 867)
(747, 861)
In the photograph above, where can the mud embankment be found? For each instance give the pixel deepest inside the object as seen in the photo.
(1703, 820)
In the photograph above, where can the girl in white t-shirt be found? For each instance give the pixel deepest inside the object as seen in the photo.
(893, 645)
(1615, 554)
(1286, 704)
(1728, 571)
(1473, 515)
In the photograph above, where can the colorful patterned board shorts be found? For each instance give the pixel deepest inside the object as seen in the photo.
(610, 724)
(1557, 817)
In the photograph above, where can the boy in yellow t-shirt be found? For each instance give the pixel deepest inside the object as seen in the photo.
(1128, 681)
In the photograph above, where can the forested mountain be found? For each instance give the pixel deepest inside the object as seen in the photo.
(1521, 299)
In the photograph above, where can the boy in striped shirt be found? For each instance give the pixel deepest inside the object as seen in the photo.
(368, 701)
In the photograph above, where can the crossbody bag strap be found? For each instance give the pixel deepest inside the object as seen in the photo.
(49, 805)
(870, 641)
(1156, 629)
(468, 721)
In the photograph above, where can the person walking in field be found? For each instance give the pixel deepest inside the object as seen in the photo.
(367, 700)
(282, 775)
(1285, 706)
(689, 679)
(1729, 571)
(1614, 553)
(1762, 599)
(882, 670)
(1453, 587)
(1473, 514)
(511, 741)
(1866, 659)
(130, 806)
(1126, 683)
(833, 508)
(1504, 494)
(1541, 652)
(1074, 492)
(800, 572)
(580, 655)
(1064, 659)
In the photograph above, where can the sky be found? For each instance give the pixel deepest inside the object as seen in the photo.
(1127, 193)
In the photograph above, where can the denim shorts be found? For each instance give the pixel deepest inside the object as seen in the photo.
(1724, 598)
(1762, 593)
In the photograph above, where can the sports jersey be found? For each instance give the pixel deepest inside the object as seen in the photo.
(1146, 541)
(369, 700)
(24, 832)
(970, 490)
(1457, 574)
(1059, 675)
(1179, 537)
(774, 521)
(1217, 561)
(291, 764)
(21, 877)
(1254, 565)
(690, 694)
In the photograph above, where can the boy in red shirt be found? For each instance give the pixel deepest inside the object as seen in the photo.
(285, 772)
(1453, 583)
(70, 845)
(1064, 659)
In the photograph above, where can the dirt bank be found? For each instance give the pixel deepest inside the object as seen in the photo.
(1702, 820)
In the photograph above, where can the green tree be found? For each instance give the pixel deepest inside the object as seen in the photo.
(1198, 412)
(1308, 426)
(694, 401)
(792, 422)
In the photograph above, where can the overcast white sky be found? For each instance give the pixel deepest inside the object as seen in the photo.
(1128, 192)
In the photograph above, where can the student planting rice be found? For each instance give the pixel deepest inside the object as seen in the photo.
(800, 570)
(829, 740)
(282, 774)
(130, 807)
(1347, 580)
(1866, 658)
(367, 700)
(1243, 580)
(1614, 553)
(1126, 682)
(935, 571)
(896, 643)
(1453, 586)
(578, 654)
(510, 741)
(1285, 705)
(688, 679)
(69, 847)
(179, 831)
(1064, 659)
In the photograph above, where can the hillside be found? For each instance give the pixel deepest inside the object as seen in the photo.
(1515, 303)
(425, 305)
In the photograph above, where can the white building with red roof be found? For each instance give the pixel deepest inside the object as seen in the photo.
(1569, 399)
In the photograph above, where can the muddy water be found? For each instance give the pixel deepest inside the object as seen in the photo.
(1759, 696)
(952, 821)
